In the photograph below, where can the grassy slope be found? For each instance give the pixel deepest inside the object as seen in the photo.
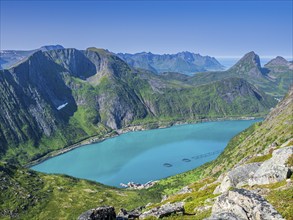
(26, 194)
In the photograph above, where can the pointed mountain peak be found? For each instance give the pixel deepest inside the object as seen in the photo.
(278, 61)
(249, 64)
(251, 58)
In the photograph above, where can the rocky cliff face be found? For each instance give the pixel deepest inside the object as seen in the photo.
(31, 93)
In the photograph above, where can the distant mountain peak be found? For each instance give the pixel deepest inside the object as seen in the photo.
(249, 64)
(182, 62)
(278, 61)
(51, 47)
(252, 57)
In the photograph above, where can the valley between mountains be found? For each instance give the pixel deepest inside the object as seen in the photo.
(57, 98)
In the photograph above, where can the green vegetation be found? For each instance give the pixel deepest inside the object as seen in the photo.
(260, 158)
(30, 195)
(282, 200)
(290, 161)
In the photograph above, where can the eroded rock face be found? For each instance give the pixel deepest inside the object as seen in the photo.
(243, 205)
(237, 177)
(99, 213)
(274, 169)
(164, 210)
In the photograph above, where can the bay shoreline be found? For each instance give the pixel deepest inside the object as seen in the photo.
(133, 128)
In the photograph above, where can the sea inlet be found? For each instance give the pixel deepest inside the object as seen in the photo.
(142, 156)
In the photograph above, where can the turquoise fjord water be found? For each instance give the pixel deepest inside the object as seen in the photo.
(146, 155)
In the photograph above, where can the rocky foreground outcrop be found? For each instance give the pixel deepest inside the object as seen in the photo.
(273, 170)
(270, 171)
(108, 212)
(237, 177)
(241, 204)
(164, 210)
(99, 213)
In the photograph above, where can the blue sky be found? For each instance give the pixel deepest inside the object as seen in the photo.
(216, 28)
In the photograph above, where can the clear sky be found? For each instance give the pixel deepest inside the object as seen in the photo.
(216, 28)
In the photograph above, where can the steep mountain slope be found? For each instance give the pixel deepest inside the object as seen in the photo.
(184, 62)
(274, 78)
(56, 98)
(10, 57)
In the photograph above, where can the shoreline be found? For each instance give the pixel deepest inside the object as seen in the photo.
(115, 133)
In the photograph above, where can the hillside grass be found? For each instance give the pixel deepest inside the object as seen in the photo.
(31, 195)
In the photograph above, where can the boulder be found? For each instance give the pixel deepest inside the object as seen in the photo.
(237, 177)
(273, 170)
(164, 210)
(243, 205)
(99, 213)
(133, 214)
(184, 190)
(224, 216)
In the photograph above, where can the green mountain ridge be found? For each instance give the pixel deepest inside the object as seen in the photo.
(56, 98)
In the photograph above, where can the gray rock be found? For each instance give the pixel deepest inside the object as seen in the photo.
(243, 205)
(164, 210)
(99, 213)
(224, 216)
(237, 177)
(133, 214)
(184, 190)
(200, 209)
(274, 169)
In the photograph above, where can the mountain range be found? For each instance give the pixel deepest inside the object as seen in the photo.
(56, 98)
(183, 62)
